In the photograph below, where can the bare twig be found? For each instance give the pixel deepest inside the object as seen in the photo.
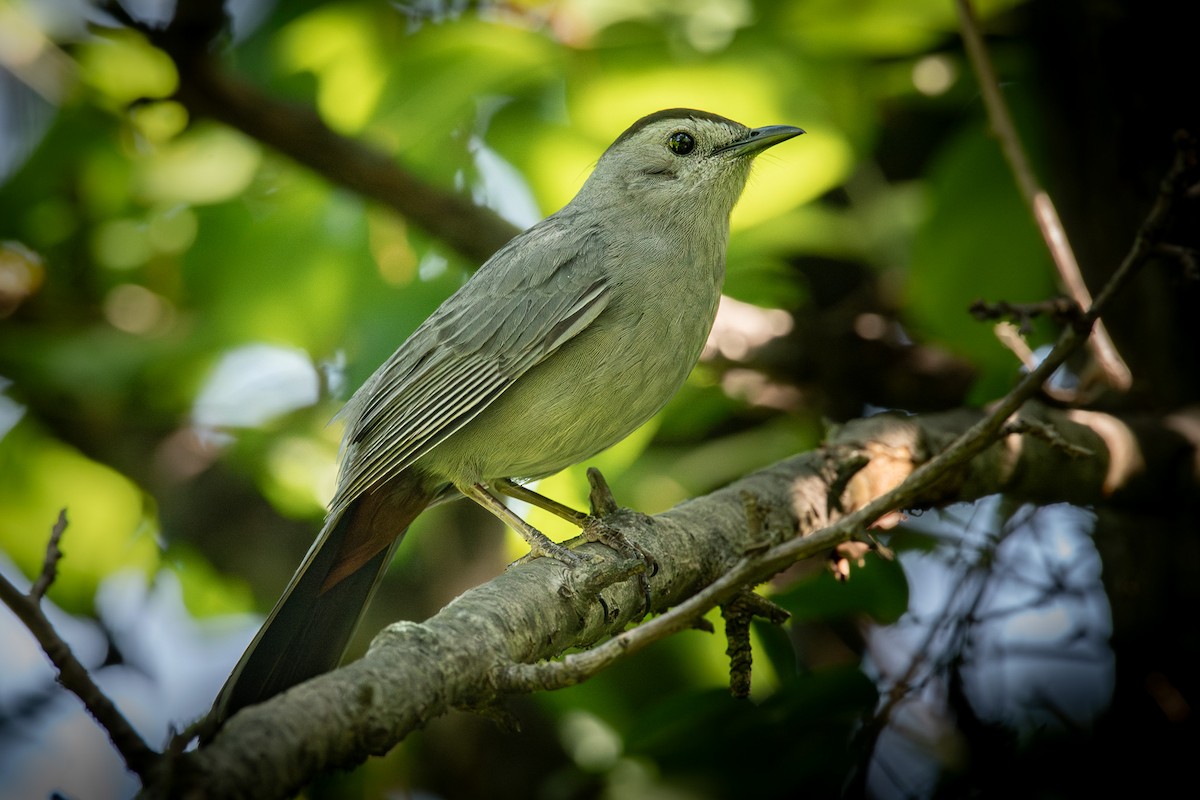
(72, 674)
(1114, 368)
(600, 498)
(53, 555)
(1047, 434)
(1186, 256)
(1061, 309)
(1012, 334)
(1149, 236)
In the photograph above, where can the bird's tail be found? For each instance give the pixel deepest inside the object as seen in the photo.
(311, 624)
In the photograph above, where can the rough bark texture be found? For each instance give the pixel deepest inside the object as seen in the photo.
(537, 610)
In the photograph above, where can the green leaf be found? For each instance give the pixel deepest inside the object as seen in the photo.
(878, 589)
(798, 741)
(979, 242)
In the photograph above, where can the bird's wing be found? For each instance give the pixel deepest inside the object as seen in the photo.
(536, 293)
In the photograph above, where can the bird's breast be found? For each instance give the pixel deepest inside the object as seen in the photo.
(598, 387)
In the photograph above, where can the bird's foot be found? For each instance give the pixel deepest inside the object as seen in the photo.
(540, 546)
(597, 531)
(544, 548)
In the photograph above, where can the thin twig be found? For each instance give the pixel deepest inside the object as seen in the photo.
(1186, 256)
(955, 611)
(1114, 368)
(72, 674)
(1059, 309)
(1149, 236)
(1010, 336)
(1048, 434)
(53, 556)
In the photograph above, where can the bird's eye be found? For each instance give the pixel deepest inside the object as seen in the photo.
(681, 143)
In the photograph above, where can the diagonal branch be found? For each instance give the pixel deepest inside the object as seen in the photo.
(492, 641)
(53, 556)
(298, 132)
(73, 675)
(1115, 370)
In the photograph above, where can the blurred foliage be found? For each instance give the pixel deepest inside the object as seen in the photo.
(181, 309)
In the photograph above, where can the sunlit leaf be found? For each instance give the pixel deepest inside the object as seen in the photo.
(207, 164)
(877, 27)
(110, 528)
(123, 66)
(340, 44)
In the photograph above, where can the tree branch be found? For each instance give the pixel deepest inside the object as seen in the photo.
(298, 132)
(50, 564)
(73, 675)
(491, 641)
(1045, 215)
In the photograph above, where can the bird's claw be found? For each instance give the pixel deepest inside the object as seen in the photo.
(597, 531)
(549, 549)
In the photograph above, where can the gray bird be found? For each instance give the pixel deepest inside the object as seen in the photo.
(571, 336)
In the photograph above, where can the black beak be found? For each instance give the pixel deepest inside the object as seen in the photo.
(760, 139)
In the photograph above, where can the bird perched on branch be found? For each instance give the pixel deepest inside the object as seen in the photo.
(571, 336)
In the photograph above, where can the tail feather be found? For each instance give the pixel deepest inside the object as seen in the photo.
(312, 623)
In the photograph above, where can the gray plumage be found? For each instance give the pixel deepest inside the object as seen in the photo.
(570, 337)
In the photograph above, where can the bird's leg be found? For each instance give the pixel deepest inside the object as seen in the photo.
(591, 525)
(597, 531)
(526, 495)
(603, 504)
(539, 545)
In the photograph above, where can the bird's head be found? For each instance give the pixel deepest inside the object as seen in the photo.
(681, 158)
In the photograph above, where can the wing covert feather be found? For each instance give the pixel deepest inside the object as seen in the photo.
(542, 289)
